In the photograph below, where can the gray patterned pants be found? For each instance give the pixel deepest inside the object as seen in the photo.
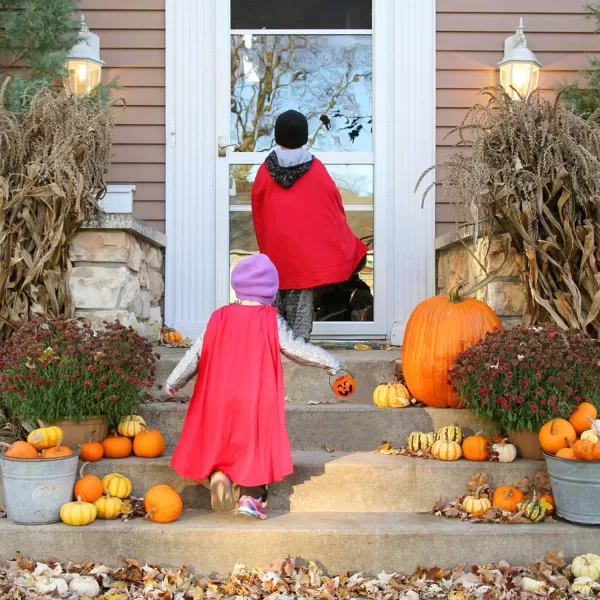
(296, 307)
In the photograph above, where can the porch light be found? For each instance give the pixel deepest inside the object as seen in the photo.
(519, 69)
(84, 66)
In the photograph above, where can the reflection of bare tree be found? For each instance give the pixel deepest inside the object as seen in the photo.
(313, 74)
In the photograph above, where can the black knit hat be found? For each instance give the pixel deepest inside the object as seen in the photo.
(291, 130)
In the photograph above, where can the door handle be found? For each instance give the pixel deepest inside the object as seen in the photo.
(222, 146)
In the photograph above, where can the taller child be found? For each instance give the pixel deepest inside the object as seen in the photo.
(300, 224)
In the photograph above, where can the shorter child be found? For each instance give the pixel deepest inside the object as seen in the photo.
(235, 429)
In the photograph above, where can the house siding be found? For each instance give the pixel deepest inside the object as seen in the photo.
(470, 37)
(470, 43)
(132, 37)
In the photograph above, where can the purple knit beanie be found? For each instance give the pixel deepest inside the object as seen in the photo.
(255, 278)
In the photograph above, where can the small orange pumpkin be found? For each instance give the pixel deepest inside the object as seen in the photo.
(566, 453)
(556, 434)
(344, 386)
(507, 497)
(89, 487)
(149, 443)
(20, 450)
(596, 452)
(475, 447)
(583, 450)
(582, 416)
(172, 336)
(91, 451)
(163, 504)
(57, 451)
(117, 446)
(438, 330)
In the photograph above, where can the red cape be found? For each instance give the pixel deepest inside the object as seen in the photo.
(236, 419)
(303, 229)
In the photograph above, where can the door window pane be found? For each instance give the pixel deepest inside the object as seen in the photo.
(301, 14)
(328, 78)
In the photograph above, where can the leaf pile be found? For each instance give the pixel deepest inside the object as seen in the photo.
(53, 162)
(534, 485)
(534, 173)
(387, 449)
(548, 578)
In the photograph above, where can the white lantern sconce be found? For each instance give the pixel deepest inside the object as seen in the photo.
(84, 67)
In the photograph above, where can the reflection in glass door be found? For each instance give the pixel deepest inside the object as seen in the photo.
(324, 71)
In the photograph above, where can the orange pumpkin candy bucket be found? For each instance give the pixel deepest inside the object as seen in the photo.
(344, 385)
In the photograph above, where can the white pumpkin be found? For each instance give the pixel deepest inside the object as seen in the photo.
(48, 585)
(532, 585)
(590, 435)
(583, 586)
(506, 452)
(595, 425)
(85, 586)
(586, 565)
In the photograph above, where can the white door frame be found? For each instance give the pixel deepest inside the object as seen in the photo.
(197, 268)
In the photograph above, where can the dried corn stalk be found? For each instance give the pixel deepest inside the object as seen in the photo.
(53, 160)
(534, 172)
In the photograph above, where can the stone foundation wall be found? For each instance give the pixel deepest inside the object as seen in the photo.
(454, 263)
(117, 274)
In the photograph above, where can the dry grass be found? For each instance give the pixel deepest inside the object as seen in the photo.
(53, 160)
(534, 172)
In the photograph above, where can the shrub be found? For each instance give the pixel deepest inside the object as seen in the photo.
(522, 377)
(54, 369)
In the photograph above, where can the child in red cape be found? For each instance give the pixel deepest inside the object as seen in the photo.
(235, 429)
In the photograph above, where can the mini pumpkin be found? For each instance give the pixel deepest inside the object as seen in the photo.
(547, 501)
(163, 504)
(131, 425)
(451, 433)
(590, 436)
(507, 497)
(45, 437)
(344, 386)
(583, 586)
(582, 416)
(57, 451)
(91, 451)
(117, 446)
(504, 452)
(89, 487)
(594, 425)
(149, 443)
(20, 450)
(596, 452)
(556, 434)
(78, 513)
(391, 395)
(533, 510)
(418, 440)
(566, 453)
(583, 450)
(476, 448)
(108, 507)
(477, 505)
(172, 336)
(446, 450)
(117, 485)
(84, 586)
(586, 565)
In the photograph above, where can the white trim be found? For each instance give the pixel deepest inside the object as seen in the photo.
(301, 32)
(413, 260)
(191, 153)
(118, 199)
(347, 208)
(327, 158)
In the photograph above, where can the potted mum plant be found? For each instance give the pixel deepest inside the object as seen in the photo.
(58, 371)
(520, 378)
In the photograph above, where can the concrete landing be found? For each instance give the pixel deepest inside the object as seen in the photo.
(213, 544)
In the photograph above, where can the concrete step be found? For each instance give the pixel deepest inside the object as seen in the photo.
(372, 543)
(323, 482)
(369, 368)
(337, 427)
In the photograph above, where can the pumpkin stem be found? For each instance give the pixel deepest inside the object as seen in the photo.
(78, 499)
(5, 445)
(91, 437)
(150, 512)
(454, 293)
(83, 466)
(508, 494)
(569, 442)
(40, 423)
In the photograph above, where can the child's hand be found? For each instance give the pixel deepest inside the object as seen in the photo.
(333, 372)
(169, 391)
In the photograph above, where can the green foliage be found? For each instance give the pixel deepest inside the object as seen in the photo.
(586, 101)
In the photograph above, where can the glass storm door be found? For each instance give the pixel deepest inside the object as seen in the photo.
(314, 56)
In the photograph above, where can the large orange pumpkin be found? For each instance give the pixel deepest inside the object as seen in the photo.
(20, 450)
(582, 417)
(556, 435)
(162, 504)
(149, 443)
(117, 446)
(438, 330)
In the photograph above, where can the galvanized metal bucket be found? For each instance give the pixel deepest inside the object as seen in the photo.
(575, 487)
(35, 489)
